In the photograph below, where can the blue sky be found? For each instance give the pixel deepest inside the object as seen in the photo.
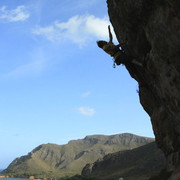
(56, 84)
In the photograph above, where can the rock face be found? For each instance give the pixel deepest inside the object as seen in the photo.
(152, 31)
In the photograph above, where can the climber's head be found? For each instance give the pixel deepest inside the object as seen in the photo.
(101, 43)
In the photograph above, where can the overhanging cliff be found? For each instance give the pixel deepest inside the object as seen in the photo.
(152, 30)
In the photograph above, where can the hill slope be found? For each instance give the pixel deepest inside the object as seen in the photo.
(69, 159)
(140, 163)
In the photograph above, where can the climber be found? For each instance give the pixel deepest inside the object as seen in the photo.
(118, 55)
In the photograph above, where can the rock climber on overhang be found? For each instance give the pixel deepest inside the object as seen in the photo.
(118, 55)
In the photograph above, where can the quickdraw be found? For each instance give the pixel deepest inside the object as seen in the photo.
(114, 63)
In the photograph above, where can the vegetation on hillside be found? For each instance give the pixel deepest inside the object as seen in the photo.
(51, 160)
(140, 163)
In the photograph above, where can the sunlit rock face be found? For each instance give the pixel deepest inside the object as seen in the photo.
(152, 31)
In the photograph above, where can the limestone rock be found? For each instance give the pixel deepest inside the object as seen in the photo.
(152, 29)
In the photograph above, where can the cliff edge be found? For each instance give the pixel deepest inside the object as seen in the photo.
(152, 31)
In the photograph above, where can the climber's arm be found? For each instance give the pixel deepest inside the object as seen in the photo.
(110, 34)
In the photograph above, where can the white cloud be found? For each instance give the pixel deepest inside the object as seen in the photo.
(86, 94)
(78, 29)
(14, 15)
(86, 111)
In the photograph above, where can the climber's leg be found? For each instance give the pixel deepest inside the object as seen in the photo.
(122, 59)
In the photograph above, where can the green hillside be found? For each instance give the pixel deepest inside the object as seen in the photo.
(49, 160)
(140, 163)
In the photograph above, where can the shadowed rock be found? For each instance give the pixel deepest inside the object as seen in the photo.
(152, 28)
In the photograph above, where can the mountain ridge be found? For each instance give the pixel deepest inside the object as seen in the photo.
(140, 163)
(69, 159)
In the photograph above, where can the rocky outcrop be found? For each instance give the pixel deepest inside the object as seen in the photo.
(140, 163)
(152, 31)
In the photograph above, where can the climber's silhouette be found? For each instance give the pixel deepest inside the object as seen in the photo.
(109, 47)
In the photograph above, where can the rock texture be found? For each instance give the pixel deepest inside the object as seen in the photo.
(152, 30)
